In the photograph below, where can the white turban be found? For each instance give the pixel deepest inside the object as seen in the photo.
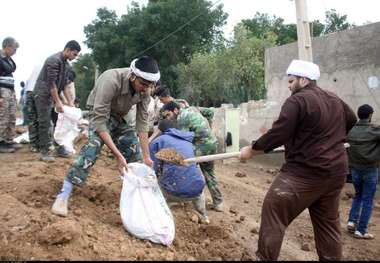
(153, 77)
(304, 69)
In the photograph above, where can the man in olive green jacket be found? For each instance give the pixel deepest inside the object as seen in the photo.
(364, 159)
(114, 94)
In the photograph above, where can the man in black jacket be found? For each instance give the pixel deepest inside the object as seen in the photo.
(7, 96)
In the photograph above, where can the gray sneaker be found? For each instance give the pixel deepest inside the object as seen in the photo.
(60, 207)
(47, 157)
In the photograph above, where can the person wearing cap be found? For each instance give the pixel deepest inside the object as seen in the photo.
(114, 94)
(364, 158)
(179, 183)
(312, 125)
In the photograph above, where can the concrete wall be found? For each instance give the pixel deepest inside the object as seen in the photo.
(350, 67)
(349, 62)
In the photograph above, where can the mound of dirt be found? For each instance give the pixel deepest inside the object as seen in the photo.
(93, 229)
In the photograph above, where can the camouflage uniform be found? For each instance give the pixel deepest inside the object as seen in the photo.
(208, 113)
(205, 143)
(7, 115)
(125, 139)
(111, 105)
(8, 99)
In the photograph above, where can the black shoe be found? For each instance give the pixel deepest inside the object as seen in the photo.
(5, 148)
(14, 145)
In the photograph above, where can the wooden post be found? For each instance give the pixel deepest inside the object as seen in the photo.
(303, 32)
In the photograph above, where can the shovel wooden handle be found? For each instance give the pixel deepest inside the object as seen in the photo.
(222, 156)
(213, 157)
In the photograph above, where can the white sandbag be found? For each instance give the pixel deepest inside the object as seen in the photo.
(67, 129)
(23, 138)
(143, 208)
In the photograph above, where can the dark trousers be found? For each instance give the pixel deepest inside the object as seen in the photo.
(40, 133)
(287, 197)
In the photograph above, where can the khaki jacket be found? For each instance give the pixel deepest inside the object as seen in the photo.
(112, 95)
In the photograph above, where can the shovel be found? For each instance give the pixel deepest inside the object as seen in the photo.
(170, 155)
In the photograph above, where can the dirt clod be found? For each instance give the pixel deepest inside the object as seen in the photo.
(234, 210)
(240, 174)
(306, 247)
(59, 233)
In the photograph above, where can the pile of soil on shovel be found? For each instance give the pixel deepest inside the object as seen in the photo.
(170, 155)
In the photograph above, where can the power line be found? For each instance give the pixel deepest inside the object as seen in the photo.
(175, 31)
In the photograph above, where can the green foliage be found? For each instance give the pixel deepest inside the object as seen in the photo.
(84, 68)
(117, 41)
(231, 75)
(104, 39)
(196, 62)
(262, 24)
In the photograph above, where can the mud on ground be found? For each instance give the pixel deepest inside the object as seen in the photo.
(94, 231)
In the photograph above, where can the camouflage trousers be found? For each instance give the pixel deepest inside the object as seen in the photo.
(40, 126)
(124, 138)
(7, 115)
(208, 170)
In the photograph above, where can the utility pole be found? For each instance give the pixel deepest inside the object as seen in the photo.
(303, 32)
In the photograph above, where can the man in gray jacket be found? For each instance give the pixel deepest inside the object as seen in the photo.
(50, 82)
(364, 158)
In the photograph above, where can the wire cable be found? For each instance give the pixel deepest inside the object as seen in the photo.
(175, 31)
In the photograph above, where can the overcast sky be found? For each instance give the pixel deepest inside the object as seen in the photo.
(43, 27)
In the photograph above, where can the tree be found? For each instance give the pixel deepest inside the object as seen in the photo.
(234, 74)
(336, 22)
(104, 39)
(84, 68)
(263, 23)
(149, 31)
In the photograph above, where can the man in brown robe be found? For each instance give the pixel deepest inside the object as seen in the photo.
(312, 125)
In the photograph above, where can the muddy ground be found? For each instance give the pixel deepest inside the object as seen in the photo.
(93, 230)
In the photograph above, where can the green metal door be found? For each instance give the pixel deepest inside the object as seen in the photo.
(233, 129)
